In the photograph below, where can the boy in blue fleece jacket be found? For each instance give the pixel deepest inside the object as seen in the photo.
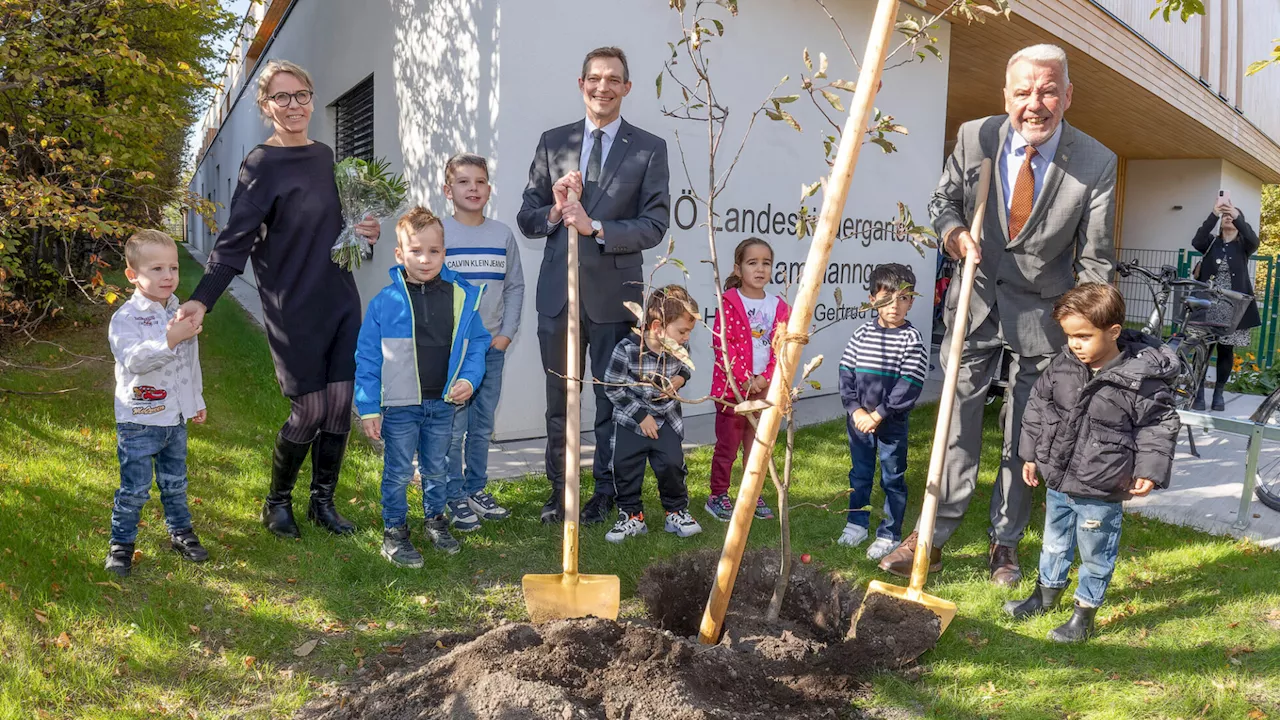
(419, 357)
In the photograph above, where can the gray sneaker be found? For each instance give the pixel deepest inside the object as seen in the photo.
(461, 516)
(397, 548)
(486, 507)
(438, 530)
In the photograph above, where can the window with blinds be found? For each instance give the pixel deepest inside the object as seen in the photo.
(353, 122)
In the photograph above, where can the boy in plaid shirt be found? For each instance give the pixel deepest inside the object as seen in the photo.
(643, 378)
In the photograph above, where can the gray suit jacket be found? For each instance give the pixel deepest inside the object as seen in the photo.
(1067, 239)
(633, 204)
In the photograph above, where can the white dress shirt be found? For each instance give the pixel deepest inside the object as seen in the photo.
(1015, 153)
(606, 143)
(155, 384)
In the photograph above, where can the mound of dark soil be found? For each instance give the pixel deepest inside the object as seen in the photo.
(800, 667)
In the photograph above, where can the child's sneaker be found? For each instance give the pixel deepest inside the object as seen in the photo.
(881, 547)
(762, 510)
(627, 526)
(397, 548)
(720, 507)
(853, 535)
(461, 516)
(438, 530)
(486, 507)
(120, 559)
(186, 544)
(682, 524)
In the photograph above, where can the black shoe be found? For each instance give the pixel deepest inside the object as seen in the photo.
(438, 531)
(1197, 405)
(186, 544)
(599, 509)
(1218, 402)
(397, 548)
(553, 509)
(1078, 629)
(120, 559)
(277, 511)
(1041, 600)
(327, 451)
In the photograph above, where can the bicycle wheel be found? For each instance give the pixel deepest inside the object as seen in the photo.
(1267, 481)
(1192, 356)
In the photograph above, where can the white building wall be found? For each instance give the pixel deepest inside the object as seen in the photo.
(1153, 188)
(448, 78)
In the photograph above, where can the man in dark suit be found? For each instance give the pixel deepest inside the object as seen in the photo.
(621, 174)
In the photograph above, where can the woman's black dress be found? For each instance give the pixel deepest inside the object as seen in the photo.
(285, 216)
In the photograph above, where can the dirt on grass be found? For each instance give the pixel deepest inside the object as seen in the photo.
(654, 669)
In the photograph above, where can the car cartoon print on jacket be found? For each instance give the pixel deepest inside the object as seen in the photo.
(148, 393)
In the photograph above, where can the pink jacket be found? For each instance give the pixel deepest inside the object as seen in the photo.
(738, 337)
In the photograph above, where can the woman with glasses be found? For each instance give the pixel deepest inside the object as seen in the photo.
(285, 218)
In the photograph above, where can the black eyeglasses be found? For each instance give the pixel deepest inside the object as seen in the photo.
(281, 99)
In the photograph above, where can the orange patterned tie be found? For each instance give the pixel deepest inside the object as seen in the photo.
(1023, 196)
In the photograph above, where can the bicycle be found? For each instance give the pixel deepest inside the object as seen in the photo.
(1193, 335)
(1267, 477)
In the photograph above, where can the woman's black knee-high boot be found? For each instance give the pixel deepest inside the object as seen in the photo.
(277, 511)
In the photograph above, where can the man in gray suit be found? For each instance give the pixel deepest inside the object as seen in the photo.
(1049, 226)
(622, 176)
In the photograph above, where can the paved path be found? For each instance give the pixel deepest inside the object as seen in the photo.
(1205, 491)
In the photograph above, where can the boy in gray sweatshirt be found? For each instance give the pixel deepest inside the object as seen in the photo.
(484, 252)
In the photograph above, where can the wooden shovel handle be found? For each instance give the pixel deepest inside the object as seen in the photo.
(942, 431)
(573, 411)
(834, 196)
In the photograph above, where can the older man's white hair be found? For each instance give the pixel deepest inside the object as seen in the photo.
(1040, 55)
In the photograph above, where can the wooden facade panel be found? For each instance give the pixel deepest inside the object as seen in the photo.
(1261, 92)
(1181, 42)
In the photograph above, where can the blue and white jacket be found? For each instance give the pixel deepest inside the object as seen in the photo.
(387, 351)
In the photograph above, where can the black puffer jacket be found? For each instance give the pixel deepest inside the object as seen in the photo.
(1092, 438)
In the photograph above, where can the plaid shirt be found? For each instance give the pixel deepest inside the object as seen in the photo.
(635, 386)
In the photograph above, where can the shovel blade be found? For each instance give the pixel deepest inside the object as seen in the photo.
(561, 596)
(944, 609)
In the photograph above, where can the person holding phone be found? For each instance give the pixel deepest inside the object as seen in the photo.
(1227, 241)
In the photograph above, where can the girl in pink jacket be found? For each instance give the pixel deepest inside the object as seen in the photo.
(748, 339)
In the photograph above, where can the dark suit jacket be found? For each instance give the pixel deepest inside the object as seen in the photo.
(633, 203)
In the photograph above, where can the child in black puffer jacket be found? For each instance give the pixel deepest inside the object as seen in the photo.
(1100, 427)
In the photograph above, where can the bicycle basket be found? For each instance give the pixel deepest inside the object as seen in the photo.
(1224, 313)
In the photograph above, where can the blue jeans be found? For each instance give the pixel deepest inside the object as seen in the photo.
(890, 440)
(1094, 526)
(472, 428)
(148, 451)
(423, 429)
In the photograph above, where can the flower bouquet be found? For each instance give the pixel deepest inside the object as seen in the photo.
(365, 188)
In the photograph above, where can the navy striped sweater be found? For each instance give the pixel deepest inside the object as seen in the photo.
(883, 370)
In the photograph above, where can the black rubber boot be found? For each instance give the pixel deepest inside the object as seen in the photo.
(1219, 403)
(277, 511)
(1078, 629)
(327, 452)
(1042, 599)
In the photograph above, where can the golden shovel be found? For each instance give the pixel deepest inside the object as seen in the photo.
(569, 594)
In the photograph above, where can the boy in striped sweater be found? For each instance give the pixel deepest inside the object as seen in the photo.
(881, 374)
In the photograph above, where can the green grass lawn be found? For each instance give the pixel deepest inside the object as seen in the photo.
(1191, 629)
